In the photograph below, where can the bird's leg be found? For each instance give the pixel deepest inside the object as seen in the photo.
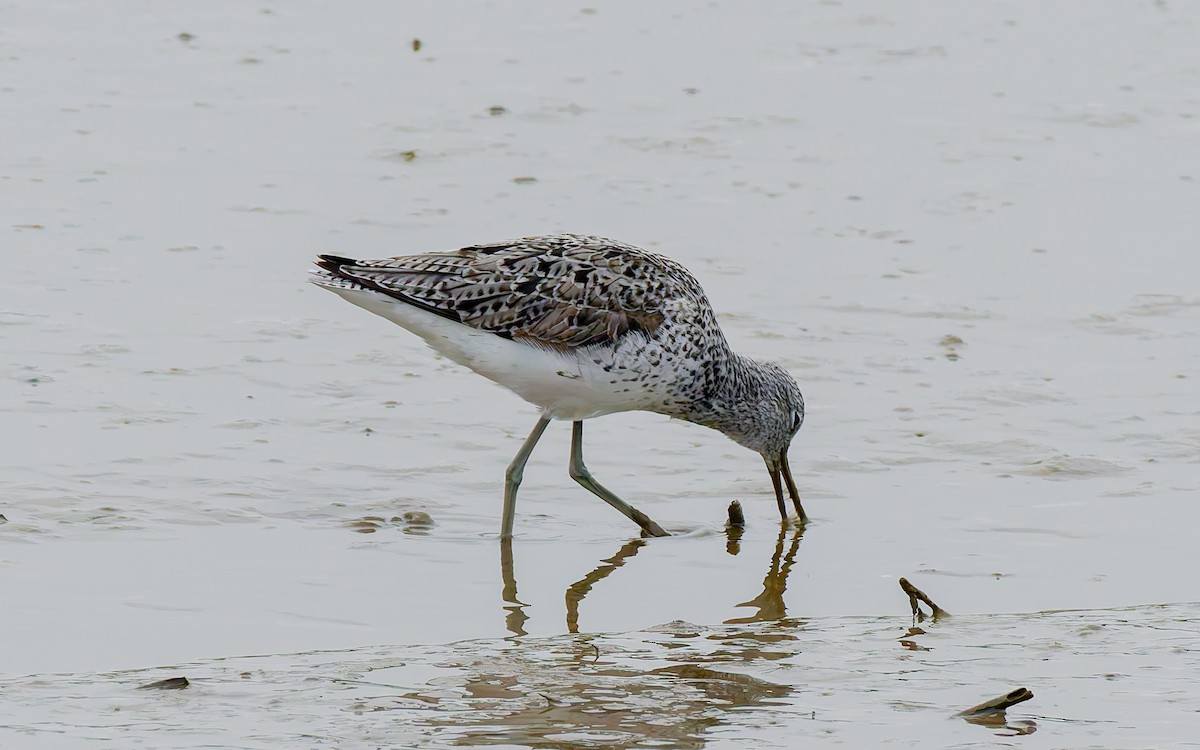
(512, 477)
(580, 474)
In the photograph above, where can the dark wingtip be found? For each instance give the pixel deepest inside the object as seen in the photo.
(332, 263)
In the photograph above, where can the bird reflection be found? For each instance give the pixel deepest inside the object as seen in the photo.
(515, 617)
(576, 591)
(770, 602)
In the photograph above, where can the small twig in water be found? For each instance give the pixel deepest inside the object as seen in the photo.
(992, 712)
(914, 595)
(171, 683)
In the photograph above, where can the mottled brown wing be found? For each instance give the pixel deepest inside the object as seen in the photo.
(561, 290)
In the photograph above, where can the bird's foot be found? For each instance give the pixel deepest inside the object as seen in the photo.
(648, 526)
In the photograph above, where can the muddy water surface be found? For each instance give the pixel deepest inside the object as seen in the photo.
(968, 230)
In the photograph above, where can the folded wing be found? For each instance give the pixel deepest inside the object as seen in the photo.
(558, 291)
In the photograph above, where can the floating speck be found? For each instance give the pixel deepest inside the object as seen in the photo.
(416, 45)
(403, 155)
(949, 341)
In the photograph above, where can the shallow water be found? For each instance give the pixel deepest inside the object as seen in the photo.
(969, 231)
(1113, 678)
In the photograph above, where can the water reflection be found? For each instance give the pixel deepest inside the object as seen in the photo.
(592, 691)
(514, 609)
(515, 617)
(733, 539)
(769, 603)
(571, 694)
(576, 591)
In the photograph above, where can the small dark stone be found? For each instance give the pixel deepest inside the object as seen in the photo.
(417, 518)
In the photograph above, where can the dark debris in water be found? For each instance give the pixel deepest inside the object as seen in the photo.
(170, 683)
(916, 595)
(737, 517)
(991, 713)
(998, 704)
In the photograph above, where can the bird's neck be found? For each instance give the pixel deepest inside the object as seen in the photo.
(733, 392)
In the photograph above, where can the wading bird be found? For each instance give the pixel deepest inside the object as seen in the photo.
(580, 327)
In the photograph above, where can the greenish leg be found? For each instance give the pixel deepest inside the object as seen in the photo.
(514, 474)
(580, 474)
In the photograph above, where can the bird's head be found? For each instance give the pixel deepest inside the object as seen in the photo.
(787, 417)
(776, 408)
(759, 406)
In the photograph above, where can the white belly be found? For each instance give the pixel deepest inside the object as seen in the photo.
(567, 385)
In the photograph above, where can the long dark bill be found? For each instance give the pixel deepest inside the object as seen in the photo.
(775, 482)
(791, 485)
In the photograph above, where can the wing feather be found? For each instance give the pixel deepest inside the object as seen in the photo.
(560, 290)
